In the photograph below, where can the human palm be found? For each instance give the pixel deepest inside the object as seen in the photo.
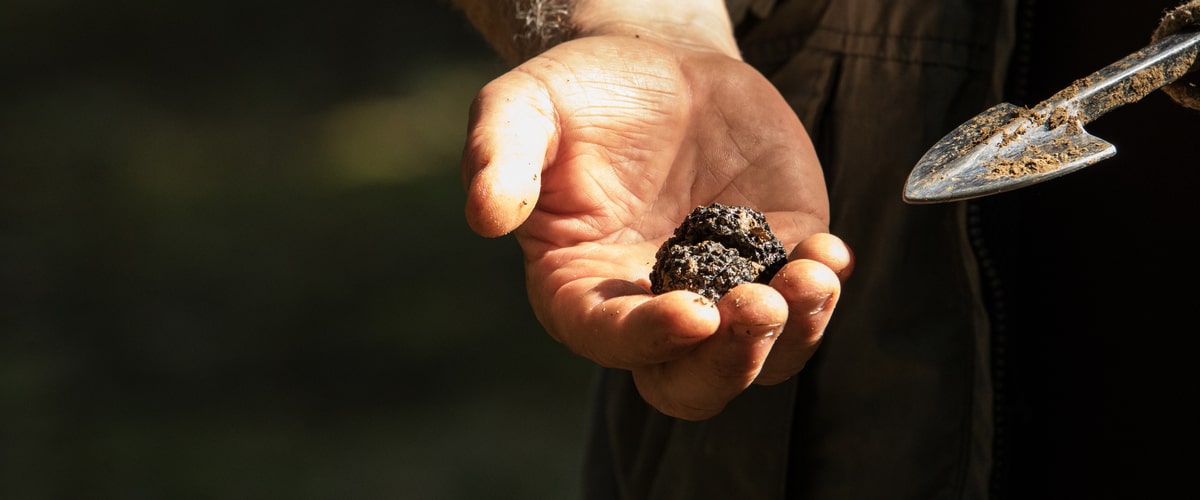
(594, 151)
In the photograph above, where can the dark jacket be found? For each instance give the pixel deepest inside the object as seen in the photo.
(964, 361)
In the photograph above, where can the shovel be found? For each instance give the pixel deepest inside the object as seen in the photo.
(1009, 147)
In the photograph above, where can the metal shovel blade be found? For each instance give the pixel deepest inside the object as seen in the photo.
(1001, 149)
(1009, 147)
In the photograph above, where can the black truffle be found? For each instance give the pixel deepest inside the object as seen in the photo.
(716, 248)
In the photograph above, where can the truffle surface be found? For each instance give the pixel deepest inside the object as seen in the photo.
(716, 248)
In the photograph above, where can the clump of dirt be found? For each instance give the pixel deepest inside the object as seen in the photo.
(1007, 138)
(1037, 119)
(1141, 84)
(1060, 116)
(716, 248)
(1034, 160)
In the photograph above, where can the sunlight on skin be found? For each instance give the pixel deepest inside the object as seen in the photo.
(620, 167)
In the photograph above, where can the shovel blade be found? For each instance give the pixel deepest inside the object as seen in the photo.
(1000, 150)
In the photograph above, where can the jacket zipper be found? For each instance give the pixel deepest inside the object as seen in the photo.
(993, 295)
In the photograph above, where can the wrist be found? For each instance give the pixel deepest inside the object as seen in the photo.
(543, 24)
(698, 24)
(520, 29)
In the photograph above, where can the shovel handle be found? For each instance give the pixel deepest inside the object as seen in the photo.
(1126, 81)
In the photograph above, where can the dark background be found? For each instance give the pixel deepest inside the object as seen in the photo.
(234, 263)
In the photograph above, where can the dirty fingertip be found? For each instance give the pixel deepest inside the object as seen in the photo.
(808, 285)
(686, 313)
(753, 304)
(498, 201)
(829, 250)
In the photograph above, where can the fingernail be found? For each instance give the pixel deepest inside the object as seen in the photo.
(758, 331)
(822, 304)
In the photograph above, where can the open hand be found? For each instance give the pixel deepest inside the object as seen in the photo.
(592, 153)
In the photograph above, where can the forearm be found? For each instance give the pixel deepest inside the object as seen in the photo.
(520, 29)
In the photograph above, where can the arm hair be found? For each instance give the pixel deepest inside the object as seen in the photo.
(520, 29)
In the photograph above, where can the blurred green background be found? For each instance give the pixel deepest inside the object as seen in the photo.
(234, 263)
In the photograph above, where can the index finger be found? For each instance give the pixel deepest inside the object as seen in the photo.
(616, 324)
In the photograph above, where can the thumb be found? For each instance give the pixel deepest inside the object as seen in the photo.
(512, 134)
